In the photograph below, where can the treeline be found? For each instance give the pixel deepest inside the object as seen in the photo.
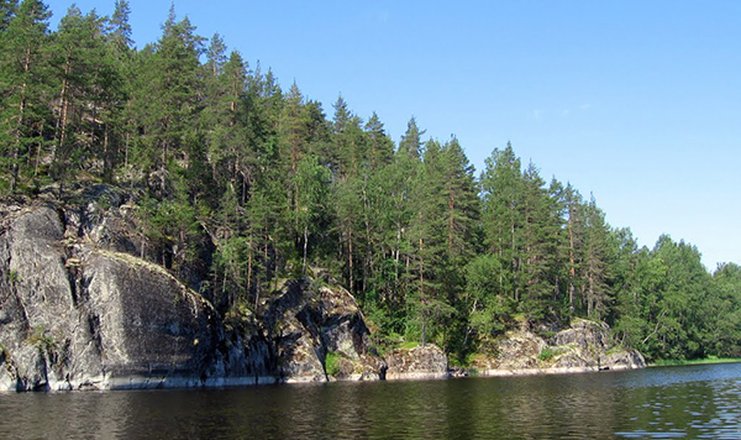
(242, 184)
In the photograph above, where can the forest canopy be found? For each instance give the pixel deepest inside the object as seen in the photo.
(241, 183)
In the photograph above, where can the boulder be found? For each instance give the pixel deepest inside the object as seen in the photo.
(143, 322)
(422, 362)
(623, 359)
(316, 320)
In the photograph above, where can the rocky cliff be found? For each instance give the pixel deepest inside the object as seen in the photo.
(80, 308)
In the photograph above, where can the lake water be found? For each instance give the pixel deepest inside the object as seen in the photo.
(671, 402)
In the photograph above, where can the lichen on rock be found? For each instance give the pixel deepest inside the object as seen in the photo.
(421, 362)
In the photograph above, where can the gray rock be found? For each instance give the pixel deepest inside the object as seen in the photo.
(88, 317)
(421, 362)
(624, 360)
(585, 333)
(316, 320)
(143, 321)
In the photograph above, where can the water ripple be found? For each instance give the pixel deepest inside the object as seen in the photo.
(666, 403)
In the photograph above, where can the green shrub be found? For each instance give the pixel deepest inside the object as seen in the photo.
(332, 364)
(547, 354)
(408, 345)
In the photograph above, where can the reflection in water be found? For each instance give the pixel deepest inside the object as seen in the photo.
(680, 402)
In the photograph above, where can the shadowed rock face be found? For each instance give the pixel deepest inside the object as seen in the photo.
(79, 312)
(314, 321)
(144, 321)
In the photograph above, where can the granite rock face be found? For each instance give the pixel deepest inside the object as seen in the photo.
(77, 316)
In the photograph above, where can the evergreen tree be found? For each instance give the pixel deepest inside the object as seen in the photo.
(89, 91)
(173, 92)
(24, 84)
(380, 147)
(119, 27)
(8, 9)
(502, 187)
(411, 141)
(597, 293)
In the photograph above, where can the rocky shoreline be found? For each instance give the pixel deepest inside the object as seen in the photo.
(83, 308)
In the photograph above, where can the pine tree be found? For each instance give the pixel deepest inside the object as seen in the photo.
(597, 259)
(502, 188)
(443, 230)
(350, 142)
(119, 27)
(89, 91)
(411, 144)
(575, 235)
(380, 147)
(174, 94)
(24, 84)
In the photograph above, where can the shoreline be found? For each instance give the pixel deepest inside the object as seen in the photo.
(497, 372)
(691, 362)
(132, 383)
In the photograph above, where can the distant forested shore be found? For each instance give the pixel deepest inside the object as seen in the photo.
(242, 184)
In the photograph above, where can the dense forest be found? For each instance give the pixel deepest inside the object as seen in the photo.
(241, 184)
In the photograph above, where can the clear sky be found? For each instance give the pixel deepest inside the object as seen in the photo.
(636, 102)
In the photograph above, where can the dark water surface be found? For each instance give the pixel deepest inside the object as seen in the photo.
(671, 402)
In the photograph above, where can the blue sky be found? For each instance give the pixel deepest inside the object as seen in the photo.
(638, 103)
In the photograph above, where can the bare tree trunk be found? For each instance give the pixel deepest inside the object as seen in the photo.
(17, 140)
(163, 167)
(249, 268)
(422, 292)
(349, 262)
(572, 264)
(106, 156)
(63, 110)
(306, 244)
(126, 150)
(451, 221)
